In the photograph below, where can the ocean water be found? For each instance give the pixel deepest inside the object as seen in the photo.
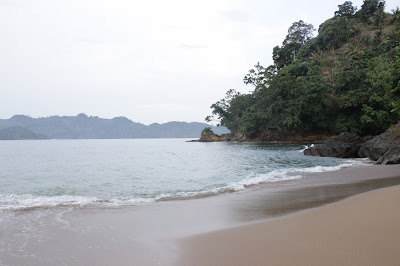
(47, 173)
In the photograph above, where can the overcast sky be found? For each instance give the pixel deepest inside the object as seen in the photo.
(151, 61)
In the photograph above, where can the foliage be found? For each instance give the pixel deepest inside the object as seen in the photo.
(346, 10)
(207, 130)
(395, 77)
(298, 35)
(345, 79)
(260, 76)
(370, 8)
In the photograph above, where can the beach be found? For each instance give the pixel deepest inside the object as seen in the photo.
(287, 222)
(361, 230)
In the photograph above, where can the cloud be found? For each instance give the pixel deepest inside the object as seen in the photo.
(8, 3)
(236, 15)
(193, 46)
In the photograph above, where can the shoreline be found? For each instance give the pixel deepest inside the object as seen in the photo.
(151, 234)
(361, 230)
(28, 201)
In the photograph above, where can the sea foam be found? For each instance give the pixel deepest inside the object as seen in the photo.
(28, 201)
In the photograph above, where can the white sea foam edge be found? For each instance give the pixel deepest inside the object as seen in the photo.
(28, 201)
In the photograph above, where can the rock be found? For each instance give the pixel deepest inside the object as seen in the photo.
(392, 156)
(207, 135)
(345, 145)
(381, 144)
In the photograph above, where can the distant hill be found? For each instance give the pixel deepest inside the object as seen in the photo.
(18, 132)
(93, 127)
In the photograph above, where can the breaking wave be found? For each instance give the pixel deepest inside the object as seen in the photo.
(30, 202)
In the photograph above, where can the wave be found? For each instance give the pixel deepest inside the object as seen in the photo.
(306, 147)
(290, 174)
(30, 202)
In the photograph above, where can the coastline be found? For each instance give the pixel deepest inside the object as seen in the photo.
(361, 230)
(152, 234)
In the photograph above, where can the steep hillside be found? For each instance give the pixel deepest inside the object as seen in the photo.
(347, 78)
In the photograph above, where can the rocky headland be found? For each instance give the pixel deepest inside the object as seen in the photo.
(207, 135)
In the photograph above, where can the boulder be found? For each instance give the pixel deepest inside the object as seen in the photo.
(392, 156)
(207, 135)
(345, 145)
(381, 144)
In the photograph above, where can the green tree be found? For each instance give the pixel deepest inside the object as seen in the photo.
(396, 15)
(395, 74)
(259, 76)
(229, 110)
(370, 7)
(346, 10)
(298, 35)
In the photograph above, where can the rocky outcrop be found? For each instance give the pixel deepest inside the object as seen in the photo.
(392, 156)
(207, 135)
(381, 144)
(384, 148)
(346, 145)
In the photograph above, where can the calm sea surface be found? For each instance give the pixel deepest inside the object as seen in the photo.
(43, 173)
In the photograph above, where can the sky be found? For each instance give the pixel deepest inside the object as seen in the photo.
(150, 61)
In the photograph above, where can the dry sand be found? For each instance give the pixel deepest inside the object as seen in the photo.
(361, 230)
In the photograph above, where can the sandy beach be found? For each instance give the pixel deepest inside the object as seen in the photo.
(361, 230)
(286, 223)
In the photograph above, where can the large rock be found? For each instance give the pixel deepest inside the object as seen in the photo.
(207, 135)
(345, 145)
(381, 144)
(392, 156)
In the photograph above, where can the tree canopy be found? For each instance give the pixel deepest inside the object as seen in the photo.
(346, 10)
(298, 34)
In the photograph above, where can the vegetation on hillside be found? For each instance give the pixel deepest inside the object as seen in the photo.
(345, 79)
(18, 132)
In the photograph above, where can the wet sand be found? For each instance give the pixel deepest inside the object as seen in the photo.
(362, 230)
(152, 234)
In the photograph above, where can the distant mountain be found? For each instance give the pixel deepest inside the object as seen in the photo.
(93, 127)
(18, 132)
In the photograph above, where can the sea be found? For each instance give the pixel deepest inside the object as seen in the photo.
(129, 172)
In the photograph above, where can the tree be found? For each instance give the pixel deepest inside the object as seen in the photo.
(346, 10)
(395, 88)
(229, 111)
(259, 76)
(396, 15)
(298, 35)
(221, 110)
(285, 55)
(370, 7)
